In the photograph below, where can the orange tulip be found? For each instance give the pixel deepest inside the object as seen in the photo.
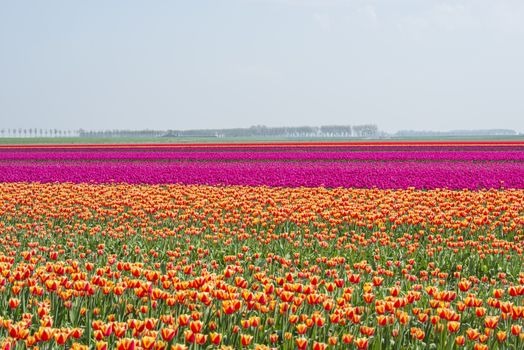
(126, 344)
(301, 328)
(183, 320)
(246, 339)
(168, 333)
(347, 338)
(189, 336)
(480, 311)
(44, 334)
(215, 338)
(273, 338)
(464, 285)
(479, 346)
(319, 346)
(196, 326)
(472, 334)
(101, 345)
(453, 326)
(148, 342)
(13, 303)
(361, 343)
(460, 340)
(301, 343)
(368, 297)
(502, 336)
(368, 331)
(200, 338)
(491, 321)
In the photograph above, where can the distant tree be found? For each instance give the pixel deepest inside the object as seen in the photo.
(366, 130)
(335, 130)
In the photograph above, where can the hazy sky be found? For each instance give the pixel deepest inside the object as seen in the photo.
(402, 64)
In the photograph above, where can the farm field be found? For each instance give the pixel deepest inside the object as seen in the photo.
(400, 245)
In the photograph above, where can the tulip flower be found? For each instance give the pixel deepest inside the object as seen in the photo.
(246, 339)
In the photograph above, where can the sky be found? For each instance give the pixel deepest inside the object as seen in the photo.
(178, 64)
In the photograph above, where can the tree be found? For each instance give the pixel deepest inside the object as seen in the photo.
(366, 130)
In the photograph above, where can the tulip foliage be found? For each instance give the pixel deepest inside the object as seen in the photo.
(167, 266)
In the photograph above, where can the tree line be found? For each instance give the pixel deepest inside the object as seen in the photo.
(484, 132)
(365, 130)
(36, 132)
(334, 131)
(324, 131)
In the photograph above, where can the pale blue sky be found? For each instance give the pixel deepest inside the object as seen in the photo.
(406, 64)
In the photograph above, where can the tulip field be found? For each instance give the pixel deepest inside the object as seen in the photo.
(262, 246)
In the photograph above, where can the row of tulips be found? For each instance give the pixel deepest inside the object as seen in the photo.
(381, 165)
(262, 154)
(395, 146)
(195, 267)
(383, 175)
